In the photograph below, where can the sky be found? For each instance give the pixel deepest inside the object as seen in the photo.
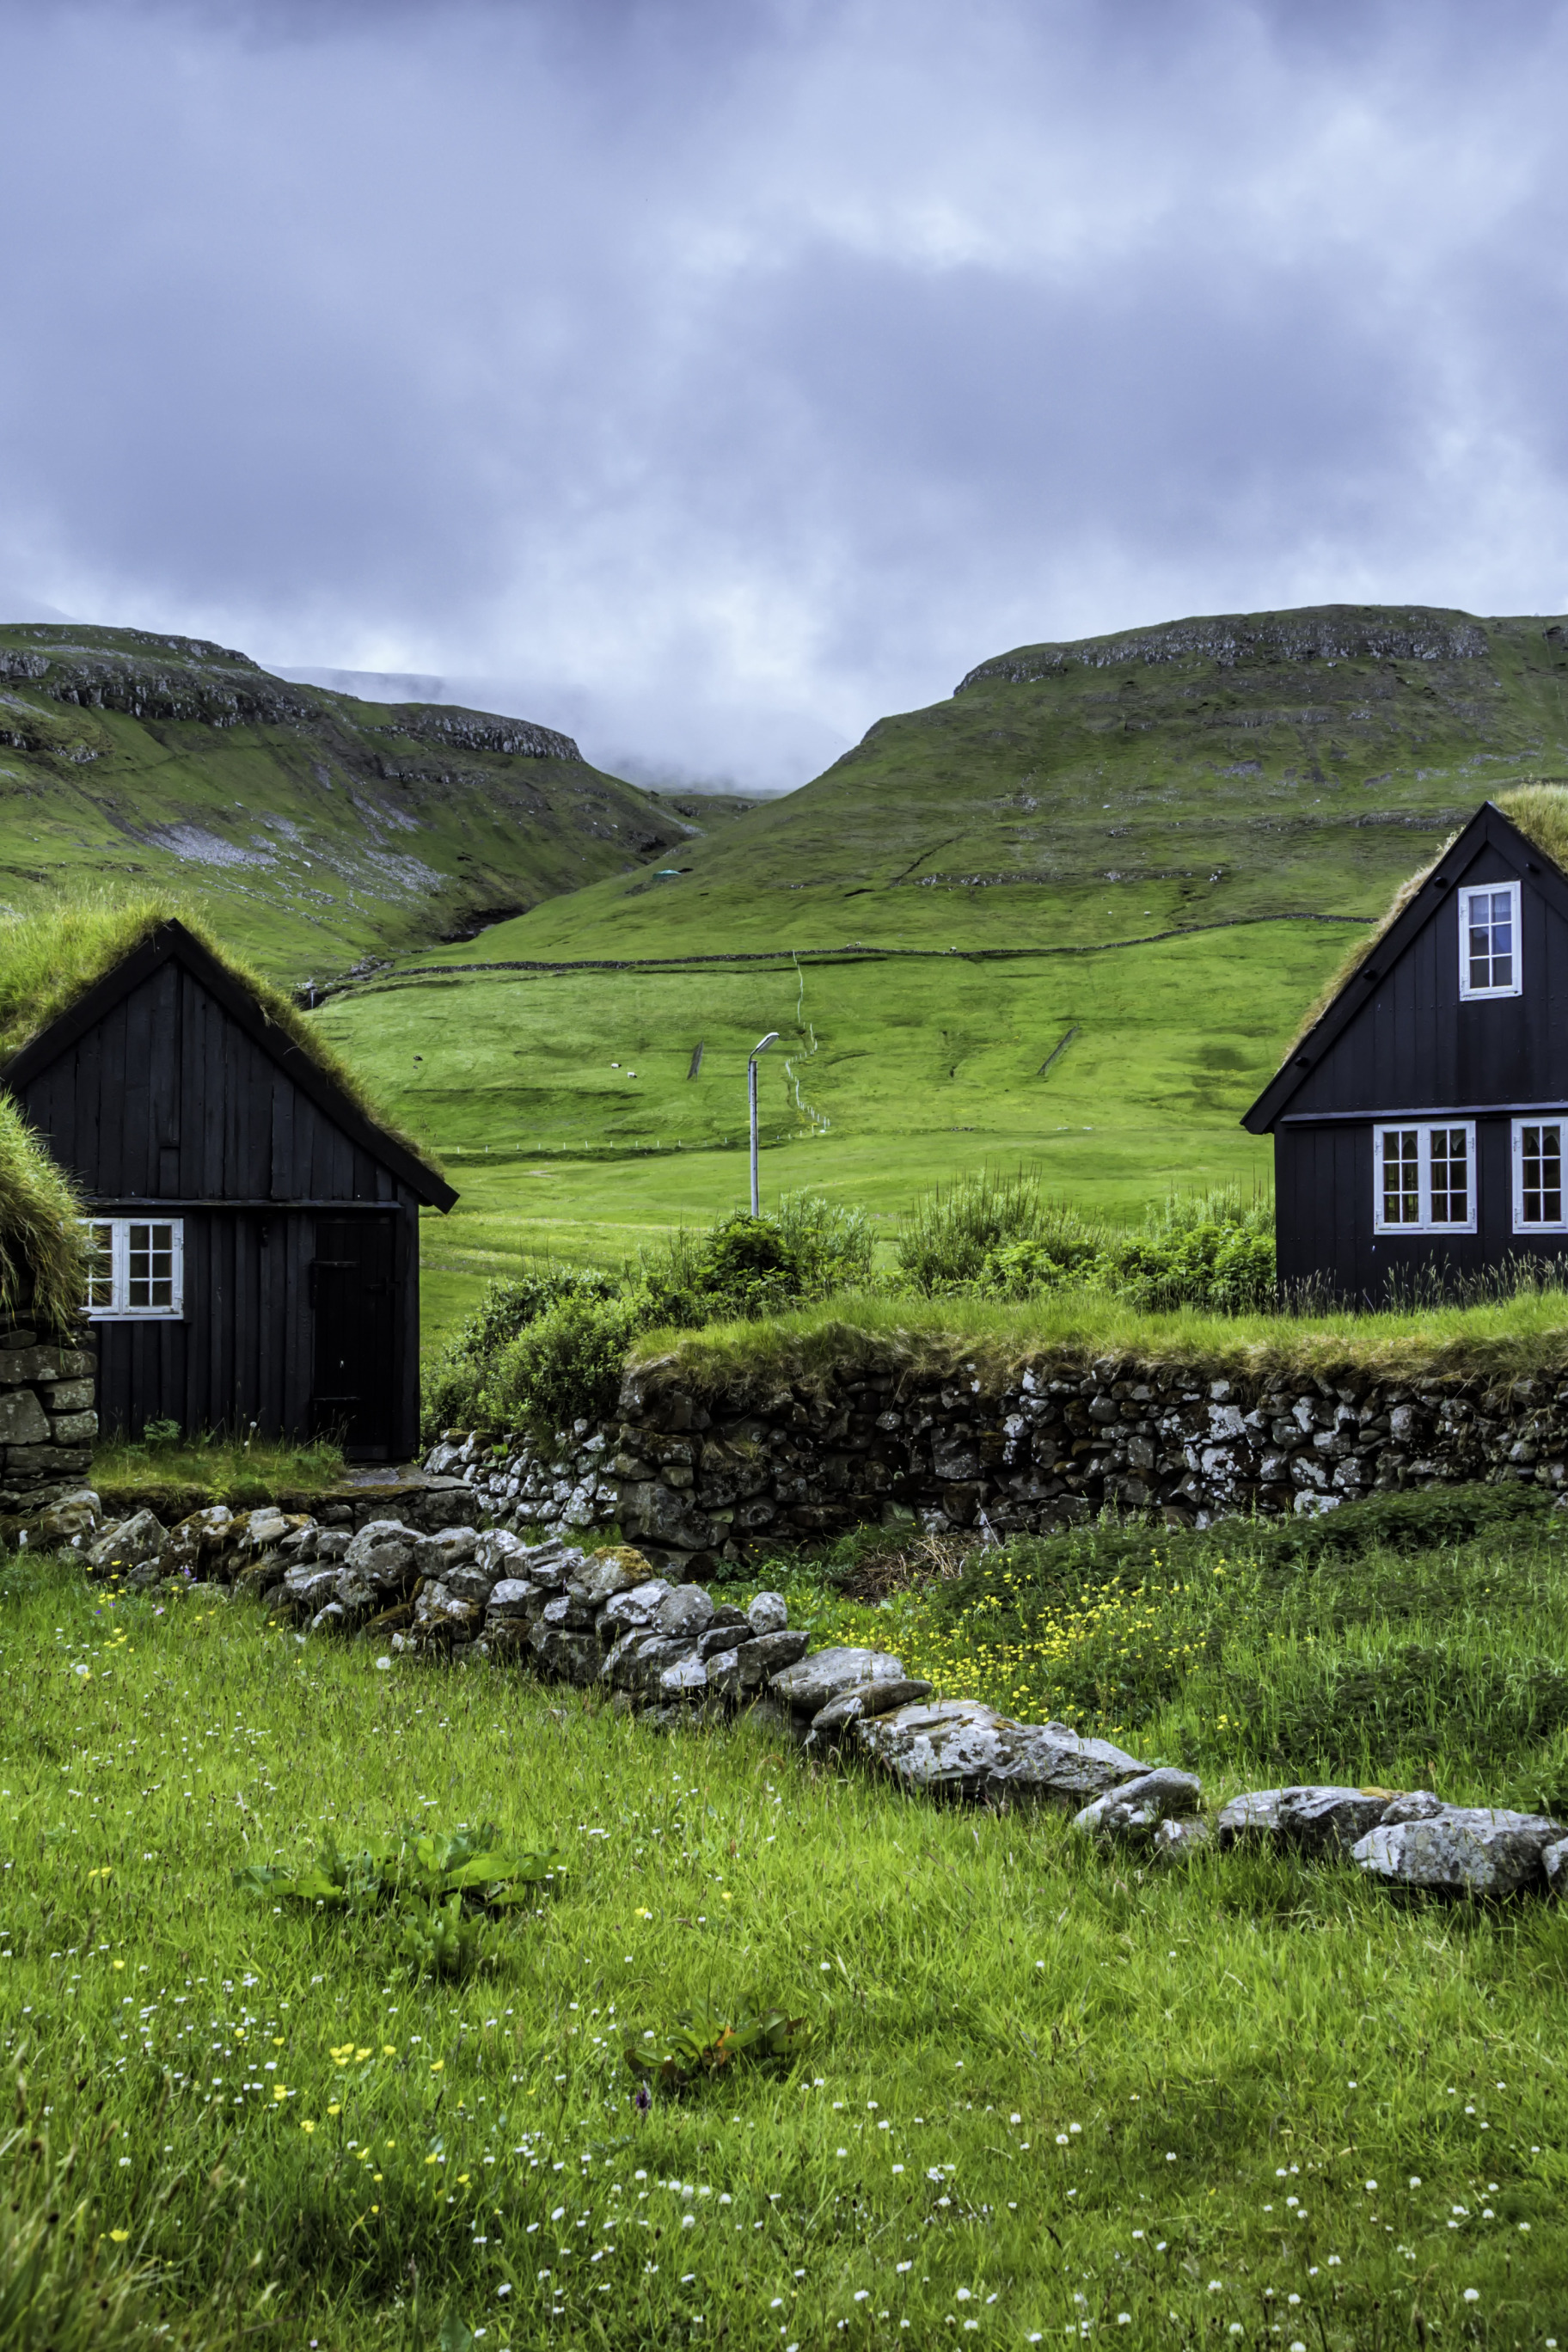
(709, 378)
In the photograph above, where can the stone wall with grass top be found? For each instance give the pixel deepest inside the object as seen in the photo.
(703, 1478)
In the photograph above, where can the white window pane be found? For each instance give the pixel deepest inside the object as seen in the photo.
(1401, 1176)
(1451, 1176)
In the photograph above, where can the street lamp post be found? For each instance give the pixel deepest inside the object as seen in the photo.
(771, 1039)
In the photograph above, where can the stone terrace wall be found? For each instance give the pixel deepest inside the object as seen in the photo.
(697, 1481)
(47, 1420)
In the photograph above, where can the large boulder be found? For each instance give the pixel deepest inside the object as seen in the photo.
(1473, 1850)
(863, 1700)
(1134, 1812)
(960, 1748)
(826, 1673)
(1313, 1818)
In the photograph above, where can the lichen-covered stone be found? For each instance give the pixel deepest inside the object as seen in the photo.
(1135, 1810)
(826, 1674)
(768, 1612)
(866, 1699)
(960, 1748)
(1464, 1850)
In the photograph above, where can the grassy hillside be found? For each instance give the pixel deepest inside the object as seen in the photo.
(1071, 914)
(313, 830)
(1206, 772)
(1123, 1074)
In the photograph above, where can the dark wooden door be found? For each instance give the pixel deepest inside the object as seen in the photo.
(351, 1290)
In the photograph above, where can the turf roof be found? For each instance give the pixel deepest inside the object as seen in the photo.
(51, 958)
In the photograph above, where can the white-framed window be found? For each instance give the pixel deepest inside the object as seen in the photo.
(1488, 941)
(1424, 1178)
(1539, 1199)
(137, 1268)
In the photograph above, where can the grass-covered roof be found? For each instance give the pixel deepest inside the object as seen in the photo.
(50, 958)
(1539, 810)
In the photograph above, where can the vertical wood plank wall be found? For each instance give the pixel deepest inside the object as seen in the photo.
(167, 1099)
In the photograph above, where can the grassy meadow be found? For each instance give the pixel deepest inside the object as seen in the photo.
(1043, 2093)
(889, 1077)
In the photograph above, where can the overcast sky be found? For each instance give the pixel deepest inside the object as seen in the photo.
(709, 377)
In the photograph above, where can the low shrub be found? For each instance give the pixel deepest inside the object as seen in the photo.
(564, 1366)
(455, 1383)
(994, 1237)
(545, 1348)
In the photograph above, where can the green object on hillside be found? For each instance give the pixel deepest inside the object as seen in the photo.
(314, 830)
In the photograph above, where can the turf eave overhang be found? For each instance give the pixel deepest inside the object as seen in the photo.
(1489, 827)
(171, 942)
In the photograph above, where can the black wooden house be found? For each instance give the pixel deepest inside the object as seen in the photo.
(1420, 1125)
(257, 1258)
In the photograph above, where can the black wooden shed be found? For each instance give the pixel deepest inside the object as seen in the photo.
(1420, 1123)
(256, 1234)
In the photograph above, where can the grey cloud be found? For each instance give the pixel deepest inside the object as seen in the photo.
(706, 379)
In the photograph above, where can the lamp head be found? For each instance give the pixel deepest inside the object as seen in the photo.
(761, 1046)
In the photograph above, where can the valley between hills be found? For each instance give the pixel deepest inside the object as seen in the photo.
(1067, 915)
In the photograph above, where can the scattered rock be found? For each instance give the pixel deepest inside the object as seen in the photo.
(1462, 1850)
(864, 1700)
(1177, 1841)
(768, 1613)
(1137, 1809)
(826, 1673)
(960, 1748)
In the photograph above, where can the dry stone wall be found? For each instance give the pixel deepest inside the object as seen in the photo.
(47, 1423)
(699, 1481)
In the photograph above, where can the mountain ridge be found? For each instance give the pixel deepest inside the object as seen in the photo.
(312, 829)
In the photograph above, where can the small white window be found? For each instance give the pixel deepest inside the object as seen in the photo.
(1538, 1196)
(1424, 1179)
(1488, 941)
(137, 1268)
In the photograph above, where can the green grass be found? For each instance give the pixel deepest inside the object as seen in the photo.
(1239, 783)
(213, 1469)
(1099, 2087)
(1101, 1000)
(1503, 1340)
(914, 1072)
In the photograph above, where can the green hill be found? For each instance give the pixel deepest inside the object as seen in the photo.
(313, 831)
(1070, 915)
(1206, 772)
